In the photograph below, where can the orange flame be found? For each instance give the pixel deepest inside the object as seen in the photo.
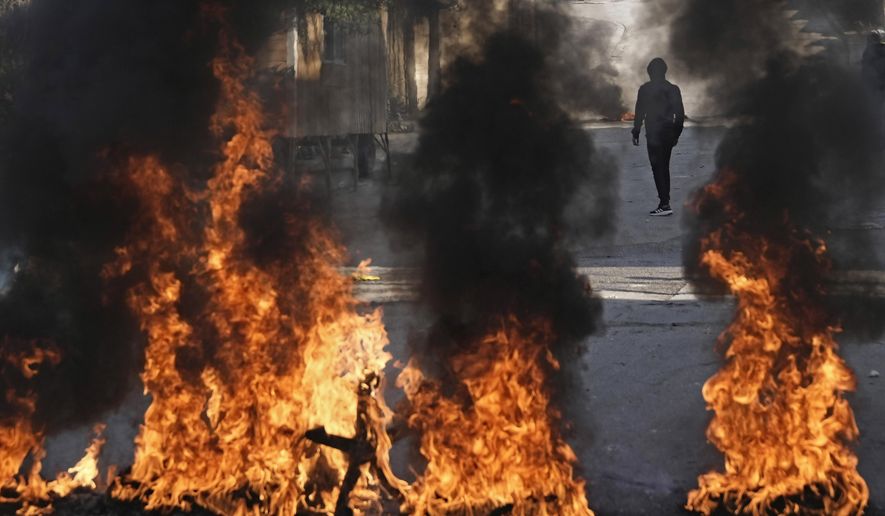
(18, 437)
(239, 377)
(498, 444)
(285, 350)
(34, 495)
(780, 416)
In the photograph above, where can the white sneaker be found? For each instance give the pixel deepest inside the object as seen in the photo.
(662, 211)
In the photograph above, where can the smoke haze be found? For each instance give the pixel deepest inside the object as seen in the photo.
(499, 165)
(806, 145)
(97, 81)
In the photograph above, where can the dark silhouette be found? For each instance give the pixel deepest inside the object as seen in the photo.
(873, 66)
(659, 105)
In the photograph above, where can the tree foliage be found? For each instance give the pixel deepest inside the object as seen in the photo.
(345, 10)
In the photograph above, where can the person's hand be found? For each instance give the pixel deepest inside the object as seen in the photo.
(636, 140)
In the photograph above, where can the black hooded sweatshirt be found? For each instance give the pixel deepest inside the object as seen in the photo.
(659, 105)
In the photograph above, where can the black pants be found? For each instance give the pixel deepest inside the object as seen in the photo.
(659, 156)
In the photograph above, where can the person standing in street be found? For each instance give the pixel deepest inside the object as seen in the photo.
(659, 106)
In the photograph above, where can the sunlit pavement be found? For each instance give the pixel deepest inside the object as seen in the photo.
(640, 283)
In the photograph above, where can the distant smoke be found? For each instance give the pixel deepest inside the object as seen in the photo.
(498, 166)
(856, 13)
(729, 42)
(98, 80)
(580, 68)
(577, 54)
(806, 147)
(724, 44)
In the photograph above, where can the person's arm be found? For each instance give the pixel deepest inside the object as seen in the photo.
(678, 114)
(639, 115)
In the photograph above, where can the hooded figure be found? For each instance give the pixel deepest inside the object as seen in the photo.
(659, 105)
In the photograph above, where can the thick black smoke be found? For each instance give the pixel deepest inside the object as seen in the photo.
(94, 82)
(577, 53)
(726, 44)
(498, 164)
(580, 69)
(806, 145)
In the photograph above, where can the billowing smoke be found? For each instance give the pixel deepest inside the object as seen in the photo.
(577, 55)
(94, 82)
(805, 148)
(799, 166)
(583, 78)
(727, 44)
(499, 166)
(501, 176)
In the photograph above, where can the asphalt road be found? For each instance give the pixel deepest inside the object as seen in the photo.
(633, 397)
(635, 402)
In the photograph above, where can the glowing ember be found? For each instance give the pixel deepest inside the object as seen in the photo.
(496, 443)
(781, 419)
(270, 353)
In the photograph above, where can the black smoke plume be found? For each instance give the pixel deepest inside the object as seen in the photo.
(806, 146)
(93, 82)
(498, 165)
(580, 69)
(726, 44)
(577, 54)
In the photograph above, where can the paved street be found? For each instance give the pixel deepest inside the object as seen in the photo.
(633, 398)
(164, 166)
(635, 405)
